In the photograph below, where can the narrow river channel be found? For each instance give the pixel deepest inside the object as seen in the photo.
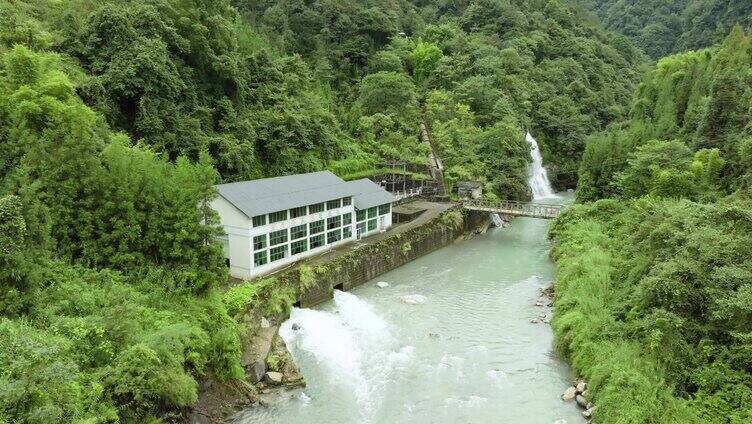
(468, 354)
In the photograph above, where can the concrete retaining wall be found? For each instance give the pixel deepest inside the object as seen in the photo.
(316, 285)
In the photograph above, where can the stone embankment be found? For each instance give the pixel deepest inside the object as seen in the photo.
(580, 394)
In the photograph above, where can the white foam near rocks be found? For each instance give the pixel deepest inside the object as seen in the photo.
(413, 299)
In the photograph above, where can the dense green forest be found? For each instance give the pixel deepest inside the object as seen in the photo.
(654, 289)
(662, 27)
(117, 118)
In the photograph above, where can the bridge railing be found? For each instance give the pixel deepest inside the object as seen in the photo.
(516, 207)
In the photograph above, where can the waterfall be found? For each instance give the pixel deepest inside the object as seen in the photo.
(353, 347)
(537, 175)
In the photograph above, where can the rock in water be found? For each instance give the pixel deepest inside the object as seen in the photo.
(581, 401)
(256, 371)
(382, 284)
(413, 299)
(581, 387)
(295, 326)
(588, 412)
(569, 394)
(273, 377)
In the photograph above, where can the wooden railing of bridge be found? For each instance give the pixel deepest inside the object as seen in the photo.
(511, 207)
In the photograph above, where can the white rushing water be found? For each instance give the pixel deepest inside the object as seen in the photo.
(355, 345)
(537, 174)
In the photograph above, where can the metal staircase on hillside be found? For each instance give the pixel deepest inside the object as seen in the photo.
(434, 166)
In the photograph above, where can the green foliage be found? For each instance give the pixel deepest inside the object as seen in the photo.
(237, 297)
(651, 307)
(424, 58)
(538, 64)
(109, 261)
(699, 99)
(661, 27)
(648, 160)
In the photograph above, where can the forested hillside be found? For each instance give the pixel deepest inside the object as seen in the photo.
(117, 118)
(478, 72)
(655, 270)
(662, 27)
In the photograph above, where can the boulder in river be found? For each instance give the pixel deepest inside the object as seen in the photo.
(256, 371)
(382, 284)
(588, 412)
(295, 326)
(569, 394)
(413, 299)
(273, 377)
(581, 386)
(581, 401)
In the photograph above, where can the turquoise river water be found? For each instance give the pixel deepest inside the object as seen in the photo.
(468, 354)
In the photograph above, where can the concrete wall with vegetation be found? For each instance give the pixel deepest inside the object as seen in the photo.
(308, 285)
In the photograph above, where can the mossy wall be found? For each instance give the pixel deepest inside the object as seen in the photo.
(316, 284)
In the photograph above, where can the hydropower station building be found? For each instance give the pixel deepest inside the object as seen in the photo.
(272, 222)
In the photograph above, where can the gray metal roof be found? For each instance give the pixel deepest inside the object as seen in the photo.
(258, 197)
(367, 194)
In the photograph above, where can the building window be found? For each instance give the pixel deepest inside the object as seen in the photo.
(277, 216)
(317, 227)
(299, 246)
(333, 236)
(333, 222)
(259, 258)
(346, 232)
(361, 215)
(260, 220)
(277, 253)
(361, 227)
(318, 207)
(333, 204)
(385, 208)
(317, 241)
(371, 225)
(372, 212)
(347, 219)
(298, 232)
(346, 201)
(277, 237)
(259, 242)
(298, 212)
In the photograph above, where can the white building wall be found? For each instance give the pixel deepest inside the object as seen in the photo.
(294, 222)
(383, 222)
(236, 226)
(240, 233)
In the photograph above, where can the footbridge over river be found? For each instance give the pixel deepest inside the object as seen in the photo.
(515, 208)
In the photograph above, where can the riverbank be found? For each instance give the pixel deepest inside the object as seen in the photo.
(260, 305)
(627, 380)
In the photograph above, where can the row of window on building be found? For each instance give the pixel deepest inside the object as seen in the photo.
(261, 220)
(273, 246)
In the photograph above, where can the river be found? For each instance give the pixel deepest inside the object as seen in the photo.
(468, 354)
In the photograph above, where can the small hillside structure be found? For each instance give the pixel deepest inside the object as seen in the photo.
(468, 190)
(272, 222)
